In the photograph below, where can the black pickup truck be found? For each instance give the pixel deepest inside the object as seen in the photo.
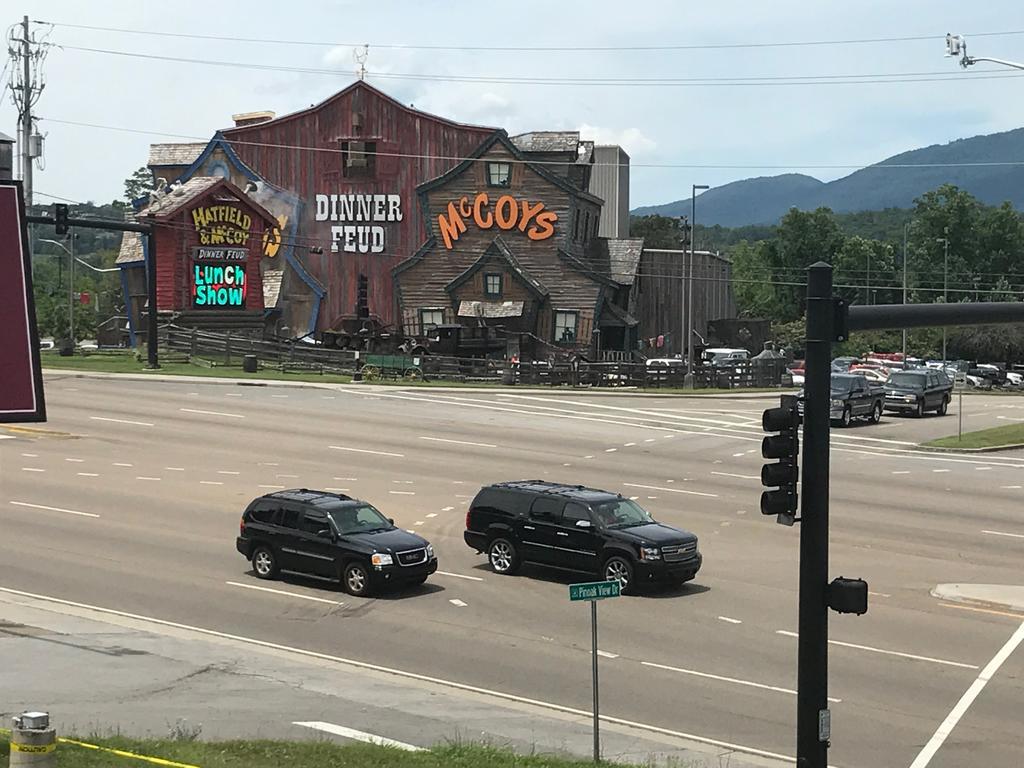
(853, 397)
(918, 391)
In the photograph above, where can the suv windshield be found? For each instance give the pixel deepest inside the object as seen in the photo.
(621, 513)
(358, 519)
(842, 384)
(907, 379)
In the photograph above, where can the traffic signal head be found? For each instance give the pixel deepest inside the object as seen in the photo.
(781, 475)
(60, 218)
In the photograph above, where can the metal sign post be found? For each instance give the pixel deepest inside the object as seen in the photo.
(592, 592)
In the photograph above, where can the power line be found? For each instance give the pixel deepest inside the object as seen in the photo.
(733, 82)
(463, 158)
(546, 49)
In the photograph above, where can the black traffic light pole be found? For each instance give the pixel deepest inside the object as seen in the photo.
(828, 320)
(62, 221)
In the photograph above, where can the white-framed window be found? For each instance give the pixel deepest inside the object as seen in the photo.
(492, 284)
(431, 316)
(499, 174)
(566, 322)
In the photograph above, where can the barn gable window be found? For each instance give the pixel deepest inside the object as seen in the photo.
(358, 159)
(499, 174)
(431, 316)
(492, 284)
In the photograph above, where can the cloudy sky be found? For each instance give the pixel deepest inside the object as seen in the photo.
(716, 131)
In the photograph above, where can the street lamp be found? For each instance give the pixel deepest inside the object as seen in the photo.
(945, 281)
(956, 45)
(688, 381)
(906, 226)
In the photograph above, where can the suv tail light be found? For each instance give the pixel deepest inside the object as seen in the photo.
(241, 526)
(468, 512)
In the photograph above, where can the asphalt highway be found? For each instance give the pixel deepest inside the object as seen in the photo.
(129, 499)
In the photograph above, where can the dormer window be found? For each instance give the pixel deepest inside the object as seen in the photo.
(358, 159)
(499, 174)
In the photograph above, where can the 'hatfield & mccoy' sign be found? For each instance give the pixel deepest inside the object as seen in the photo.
(218, 264)
(356, 231)
(507, 213)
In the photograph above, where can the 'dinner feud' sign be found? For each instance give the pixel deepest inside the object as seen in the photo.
(218, 285)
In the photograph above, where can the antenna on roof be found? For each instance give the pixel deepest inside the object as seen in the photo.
(360, 57)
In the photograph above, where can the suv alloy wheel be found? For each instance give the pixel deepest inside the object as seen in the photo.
(619, 569)
(846, 416)
(943, 407)
(356, 579)
(503, 556)
(876, 413)
(919, 411)
(264, 563)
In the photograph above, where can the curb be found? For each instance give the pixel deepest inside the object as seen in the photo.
(225, 380)
(953, 593)
(987, 449)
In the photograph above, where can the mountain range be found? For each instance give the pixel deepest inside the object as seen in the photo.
(972, 164)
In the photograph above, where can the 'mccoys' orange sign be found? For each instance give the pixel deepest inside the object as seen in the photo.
(507, 213)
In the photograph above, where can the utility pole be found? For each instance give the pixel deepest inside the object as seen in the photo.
(71, 289)
(688, 381)
(945, 282)
(26, 114)
(906, 226)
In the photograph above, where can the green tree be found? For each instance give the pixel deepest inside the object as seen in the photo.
(138, 184)
(752, 285)
(657, 231)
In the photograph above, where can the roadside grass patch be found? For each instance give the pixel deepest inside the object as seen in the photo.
(292, 754)
(1011, 434)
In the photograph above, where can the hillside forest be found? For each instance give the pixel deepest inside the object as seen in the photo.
(984, 262)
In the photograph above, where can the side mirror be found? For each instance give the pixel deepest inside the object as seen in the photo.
(325, 534)
(583, 524)
(391, 520)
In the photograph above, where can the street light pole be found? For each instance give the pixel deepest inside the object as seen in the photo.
(906, 226)
(945, 283)
(688, 382)
(956, 45)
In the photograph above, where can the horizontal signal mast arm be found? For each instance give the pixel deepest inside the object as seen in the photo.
(887, 316)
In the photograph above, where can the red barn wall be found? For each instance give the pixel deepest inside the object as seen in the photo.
(429, 145)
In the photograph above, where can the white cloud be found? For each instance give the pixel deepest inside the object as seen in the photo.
(633, 140)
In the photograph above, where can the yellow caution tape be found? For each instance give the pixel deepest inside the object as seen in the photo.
(122, 753)
(38, 749)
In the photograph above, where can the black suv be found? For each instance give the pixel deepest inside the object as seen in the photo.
(332, 536)
(578, 529)
(918, 391)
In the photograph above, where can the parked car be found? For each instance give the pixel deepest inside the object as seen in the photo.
(724, 357)
(842, 364)
(918, 391)
(580, 529)
(874, 375)
(331, 536)
(852, 397)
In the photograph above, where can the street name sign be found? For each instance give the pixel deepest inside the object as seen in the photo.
(594, 590)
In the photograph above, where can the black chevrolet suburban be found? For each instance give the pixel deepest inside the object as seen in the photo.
(578, 529)
(331, 536)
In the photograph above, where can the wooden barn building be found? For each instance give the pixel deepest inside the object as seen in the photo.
(362, 206)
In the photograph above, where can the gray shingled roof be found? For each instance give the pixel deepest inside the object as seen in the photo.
(174, 154)
(180, 195)
(547, 141)
(623, 258)
(131, 249)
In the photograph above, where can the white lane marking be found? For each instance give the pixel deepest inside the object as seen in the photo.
(30, 455)
(729, 620)
(458, 576)
(737, 455)
(343, 479)
(567, 465)
(1010, 487)
(457, 603)
(588, 457)
(649, 440)
(404, 673)
(724, 679)
(879, 594)
(123, 421)
(742, 477)
(914, 656)
(364, 450)
(610, 450)
(447, 509)
(942, 470)
(88, 474)
(227, 472)
(54, 509)
(232, 394)
(982, 469)
(328, 397)
(144, 477)
(901, 472)
(402, 482)
(210, 482)
(270, 486)
(431, 514)
(418, 522)
(122, 464)
(457, 442)
(174, 469)
(607, 654)
(212, 413)
(402, 493)
(269, 464)
(32, 469)
(350, 733)
(76, 461)
(288, 477)
(409, 530)
(670, 490)
(624, 445)
(335, 490)
(279, 395)
(282, 592)
(959, 710)
(1002, 533)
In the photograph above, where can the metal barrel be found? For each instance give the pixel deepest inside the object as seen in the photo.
(33, 741)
